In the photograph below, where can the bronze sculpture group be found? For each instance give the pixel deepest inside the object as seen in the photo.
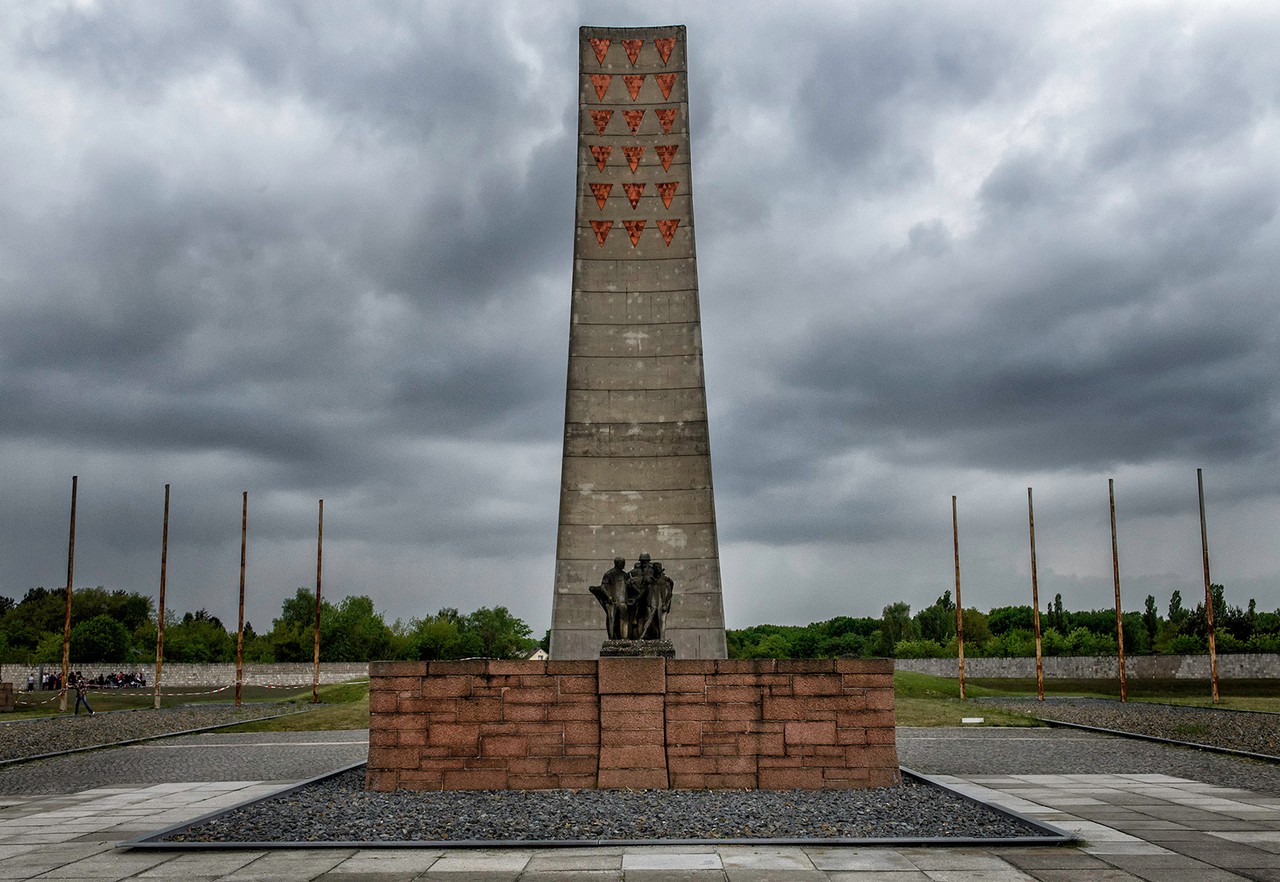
(635, 603)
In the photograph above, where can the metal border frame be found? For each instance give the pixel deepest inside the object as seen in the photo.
(1049, 834)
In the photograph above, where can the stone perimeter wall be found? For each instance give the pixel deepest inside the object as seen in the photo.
(632, 722)
(1260, 666)
(181, 674)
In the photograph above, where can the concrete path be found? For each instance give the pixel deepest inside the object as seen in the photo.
(1139, 825)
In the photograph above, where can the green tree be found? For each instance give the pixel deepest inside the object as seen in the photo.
(938, 621)
(198, 638)
(896, 625)
(501, 634)
(1151, 618)
(1178, 617)
(1055, 616)
(1006, 618)
(352, 632)
(977, 629)
(100, 639)
(439, 637)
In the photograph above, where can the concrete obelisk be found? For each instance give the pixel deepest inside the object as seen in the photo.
(636, 474)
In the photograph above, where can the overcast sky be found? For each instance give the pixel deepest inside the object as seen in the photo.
(324, 249)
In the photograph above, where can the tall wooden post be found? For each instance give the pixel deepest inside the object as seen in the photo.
(315, 677)
(1208, 591)
(1035, 600)
(955, 537)
(164, 566)
(66, 621)
(1115, 568)
(244, 533)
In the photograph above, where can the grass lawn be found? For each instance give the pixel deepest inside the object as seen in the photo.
(45, 704)
(342, 706)
(925, 700)
(1242, 694)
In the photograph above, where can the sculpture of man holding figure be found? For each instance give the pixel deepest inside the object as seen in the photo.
(636, 603)
(613, 593)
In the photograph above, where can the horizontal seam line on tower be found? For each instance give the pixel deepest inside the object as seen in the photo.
(633, 357)
(606, 291)
(580, 258)
(634, 456)
(663, 389)
(632, 259)
(635, 324)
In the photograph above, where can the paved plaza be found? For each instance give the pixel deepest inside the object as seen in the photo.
(62, 819)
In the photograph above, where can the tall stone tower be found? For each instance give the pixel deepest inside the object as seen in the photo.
(636, 475)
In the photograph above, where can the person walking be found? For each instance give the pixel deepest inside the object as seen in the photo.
(82, 690)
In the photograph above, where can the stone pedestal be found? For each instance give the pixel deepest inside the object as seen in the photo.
(632, 722)
(632, 710)
(637, 649)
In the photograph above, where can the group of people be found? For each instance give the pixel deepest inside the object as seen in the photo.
(635, 603)
(119, 680)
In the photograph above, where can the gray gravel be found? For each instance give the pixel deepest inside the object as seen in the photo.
(993, 751)
(1234, 730)
(339, 809)
(210, 756)
(27, 738)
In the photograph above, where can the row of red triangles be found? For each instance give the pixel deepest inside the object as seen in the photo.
(666, 117)
(666, 153)
(666, 189)
(633, 82)
(664, 45)
(634, 228)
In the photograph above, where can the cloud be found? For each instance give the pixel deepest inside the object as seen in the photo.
(324, 250)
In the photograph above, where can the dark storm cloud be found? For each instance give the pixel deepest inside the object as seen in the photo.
(1092, 316)
(868, 80)
(323, 249)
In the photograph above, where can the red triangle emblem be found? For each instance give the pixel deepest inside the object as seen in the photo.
(633, 118)
(664, 46)
(601, 82)
(634, 229)
(666, 152)
(665, 82)
(633, 49)
(666, 191)
(602, 229)
(668, 229)
(633, 193)
(601, 153)
(601, 47)
(634, 82)
(666, 116)
(601, 192)
(633, 155)
(601, 119)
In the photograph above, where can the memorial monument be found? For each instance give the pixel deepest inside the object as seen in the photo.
(636, 484)
(636, 471)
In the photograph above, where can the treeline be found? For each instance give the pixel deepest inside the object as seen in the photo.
(120, 626)
(1008, 631)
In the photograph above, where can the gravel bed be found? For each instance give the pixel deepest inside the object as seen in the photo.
(339, 809)
(27, 738)
(994, 751)
(1234, 730)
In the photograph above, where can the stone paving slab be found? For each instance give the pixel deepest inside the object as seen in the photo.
(1137, 826)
